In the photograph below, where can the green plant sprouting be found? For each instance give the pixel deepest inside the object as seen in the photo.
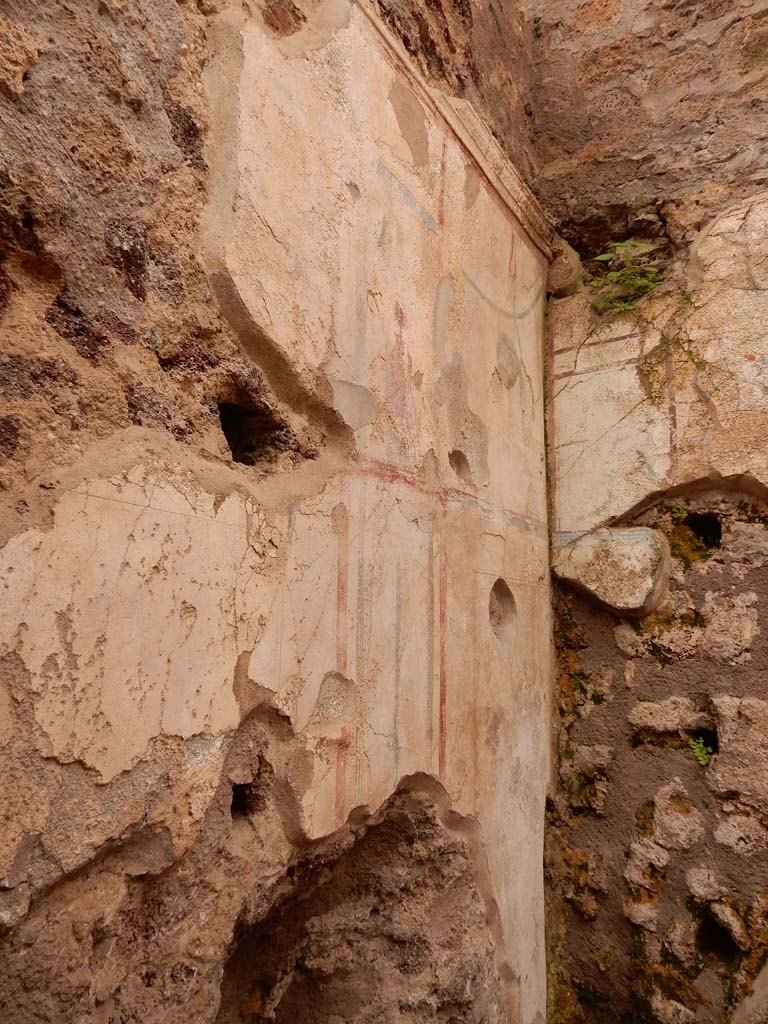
(633, 272)
(701, 751)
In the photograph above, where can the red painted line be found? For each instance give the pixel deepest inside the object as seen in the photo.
(391, 474)
(441, 205)
(342, 593)
(394, 474)
(596, 369)
(396, 62)
(341, 775)
(443, 606)
(598, 343)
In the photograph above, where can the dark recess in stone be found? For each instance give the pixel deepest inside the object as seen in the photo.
(254, 435)
(706, 527)
(715, 942)
(242, 800)
(502, 610)
(709, 738)
(460, 465)
(250, 798)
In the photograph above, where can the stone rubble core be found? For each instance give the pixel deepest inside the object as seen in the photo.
(657, 840)
(627, 570)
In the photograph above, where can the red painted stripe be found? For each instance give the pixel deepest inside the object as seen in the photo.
(441, 206)
(442, 604)
(596, 344)
(389, 473)
(604, 368)
(342, 592)
(341, 775)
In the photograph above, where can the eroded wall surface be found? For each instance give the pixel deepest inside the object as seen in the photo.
(673, 392)
(656, 856)
(481, 52)
(649, 115)
(274, 523)
(657, 845)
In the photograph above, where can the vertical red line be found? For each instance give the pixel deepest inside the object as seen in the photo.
(341, 775)
(342, 589)
(442, 604)
(431, 648)
(441, 201)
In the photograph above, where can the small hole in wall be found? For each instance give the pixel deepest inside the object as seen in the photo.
(460, 465)
(502, 610)
(242, 800)
(708, 737)
(254, 435)
(715, 941)
(706, 527)
(251, 797)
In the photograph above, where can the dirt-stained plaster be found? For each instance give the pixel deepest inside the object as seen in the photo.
(275, 611)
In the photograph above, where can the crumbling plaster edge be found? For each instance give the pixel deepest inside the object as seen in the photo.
(159, 453)
(306, 395)
(476, 139)
(468, 826)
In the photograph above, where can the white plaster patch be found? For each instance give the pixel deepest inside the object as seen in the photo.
(129, 614)
(679, 396)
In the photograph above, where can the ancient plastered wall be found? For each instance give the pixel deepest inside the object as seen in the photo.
(374, 263)
(397, 280)
(671, 394)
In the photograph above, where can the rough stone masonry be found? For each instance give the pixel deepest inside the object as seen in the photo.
(327, 330)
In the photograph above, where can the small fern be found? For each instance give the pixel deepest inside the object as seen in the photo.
(633, 272)
(701, 751)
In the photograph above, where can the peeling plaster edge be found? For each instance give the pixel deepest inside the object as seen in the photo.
(468, 827)
(475, 138)
(744, 483)
(304, 393)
